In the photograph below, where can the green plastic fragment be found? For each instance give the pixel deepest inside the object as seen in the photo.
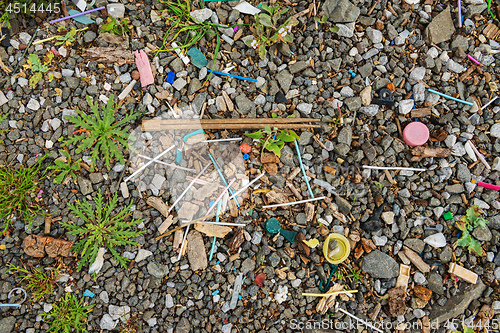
(273, 226)
(82, 19)
(197, 57)
(447, 216)
(289, 235)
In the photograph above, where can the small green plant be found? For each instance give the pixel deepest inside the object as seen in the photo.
(466, 225)
(67, 38)
(268, 29)
(40, 283)
(116, 27)
(273, 139)
(37, 67)
(101, 133)
(19, 192)
(355, 275)
(102, 228)
(131, 326)
(66, 167)
(339, 274)
(67, 316)
(378, 184)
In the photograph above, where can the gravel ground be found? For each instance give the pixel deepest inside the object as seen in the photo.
(378, 44)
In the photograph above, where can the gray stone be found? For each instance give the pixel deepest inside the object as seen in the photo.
(284, 79)
(435, 283)
(244, 104)
(305, 138)
(370, 110)
(415, 244)
(179, 83)
(298, 66)
(495, 130)
(305, 108)
(441, 28)
(380, 265)
(260, 100)
(201, 14)
(33, 104)
(159, 271)
(7, 324)
(345, 135)
(374, 35)
(248, 265)
(85, 186)
(184, 326)
(344, 205)
(417, 73)
(341, 11)
(89, 37)
(463, 173)
(73, 82)
(457, 304)
(482, 234)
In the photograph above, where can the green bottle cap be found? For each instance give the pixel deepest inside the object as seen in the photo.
(273, 226)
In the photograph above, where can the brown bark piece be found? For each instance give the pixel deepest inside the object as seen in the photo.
(423, 152)
(212, 230)
(196, 251)
(109, 55)
(397, 305)
(423, 112)
(276, 197)
(158, 204)
(237, 240)
(269, 158)
(271, 168)
(422, 293)
(426, 325)
(302, 246)
(309, 210)
(368, 245)
(39, 246)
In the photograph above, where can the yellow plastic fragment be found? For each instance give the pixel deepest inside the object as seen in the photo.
(312, 243)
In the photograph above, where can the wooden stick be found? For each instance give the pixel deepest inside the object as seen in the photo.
(235, 121)
(161, 127)
(418, 113)
(182, 226)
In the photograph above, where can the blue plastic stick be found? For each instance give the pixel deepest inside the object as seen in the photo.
(449, 97)
(303, 170)
(219, 205)
(233, 76)
(224, 179)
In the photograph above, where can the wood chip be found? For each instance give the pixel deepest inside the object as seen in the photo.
(326, 303)
(237, 240)
(396, 300)
(422, 293)
(309, 210)
(109, 55)
(416, 260)
(39, 246)
(423, 152)
(212, 230)
(158, 204)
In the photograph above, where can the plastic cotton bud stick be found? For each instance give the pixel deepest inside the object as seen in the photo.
(188, 187)
(147, 164)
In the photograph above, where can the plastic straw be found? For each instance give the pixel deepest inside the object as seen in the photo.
(147, 164)
(449, 97)
(303, 170)
(76, 15)
(459, 13)
(223, 140)
(392, 168)
(188, 187)
(247, 185)
(168, 164)
(233, 76)
(293, 203)
(361, 320)
(474, 60)
(487, 104)
(219, 205)
(330, 294)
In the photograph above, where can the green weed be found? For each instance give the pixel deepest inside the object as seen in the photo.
(272, 139)
(116, 27)
(66, 168)
(67, 316)
(467, 224)
(37, 67)
(40, 283)
(102, 228)
(100, 132)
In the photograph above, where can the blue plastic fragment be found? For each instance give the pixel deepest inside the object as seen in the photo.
(170, 77)
(198, 59)
(88, 293)
(81, 19)
(178, 157)
(246, 156)
(211, 203)
(216, 292)
(200, 131)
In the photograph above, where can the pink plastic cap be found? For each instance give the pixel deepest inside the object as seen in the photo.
(415, 134)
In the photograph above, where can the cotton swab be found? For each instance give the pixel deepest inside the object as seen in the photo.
(361, 320)
(167, 164)
(449, 97)
(392, 168)
(147, 164)
(188, 187)
(247, 185)
(293, 203)
(487, 104)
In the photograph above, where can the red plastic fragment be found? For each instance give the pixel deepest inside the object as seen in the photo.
(246, 148)
(259, 279)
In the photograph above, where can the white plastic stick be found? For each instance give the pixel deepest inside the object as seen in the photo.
(392, 168)
(247, 185)
(183, 241)
(223, 140)
(167, 164)
(361, 320)
(147, 164)
(188, 187)
(220, 197)
(481, 157)
(293, 203)
(487, 104)
(220, 223)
